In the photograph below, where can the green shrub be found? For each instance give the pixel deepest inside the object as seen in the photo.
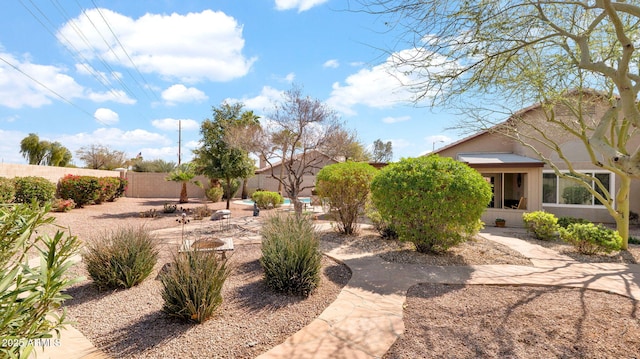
(345, 186)
(7, 190)
(384, 228)
(565, 221)
(542, 224)
(81, 189)
(434, 202)
(267, 199)
(29, 189)
(588, 238)
(192, 285)
(30, 298)
(214, 194)
(290, 256)
(122, 188)
(122, 258)
(231, 191)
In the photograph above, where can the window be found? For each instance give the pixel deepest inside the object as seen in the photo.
(507, 188)
(564, 191)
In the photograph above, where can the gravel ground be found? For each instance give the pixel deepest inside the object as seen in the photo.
(441, 321)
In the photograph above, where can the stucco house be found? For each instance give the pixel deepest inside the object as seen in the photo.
(523, 182)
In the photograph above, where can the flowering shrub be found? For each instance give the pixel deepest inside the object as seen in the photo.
(81, 189)
(109, 187)
(62, 205)
(122, 188)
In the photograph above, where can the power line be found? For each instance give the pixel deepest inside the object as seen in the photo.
(50, 90)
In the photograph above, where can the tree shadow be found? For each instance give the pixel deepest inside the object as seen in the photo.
(140, 336)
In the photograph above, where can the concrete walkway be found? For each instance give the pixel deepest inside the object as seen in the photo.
(366, 317)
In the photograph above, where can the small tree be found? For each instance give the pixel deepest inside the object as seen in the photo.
(433, 202)
(346, 187)
(185, 173)
(299, 135)
(218, 156)
(100, 157)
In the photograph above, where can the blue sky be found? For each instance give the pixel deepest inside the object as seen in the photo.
(121, 73)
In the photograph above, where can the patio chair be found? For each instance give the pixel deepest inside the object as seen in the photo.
(522, 204)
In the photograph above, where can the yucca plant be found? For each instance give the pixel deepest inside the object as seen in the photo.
(290, 256)
(122, 258)
(192, 285)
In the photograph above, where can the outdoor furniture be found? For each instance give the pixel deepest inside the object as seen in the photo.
(201, 245)
(522, 204)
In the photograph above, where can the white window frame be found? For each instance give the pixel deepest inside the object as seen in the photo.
(612, 180)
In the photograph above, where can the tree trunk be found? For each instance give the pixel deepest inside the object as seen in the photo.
(228, 192)
(622, 217)
(183, 193)
(245, 190)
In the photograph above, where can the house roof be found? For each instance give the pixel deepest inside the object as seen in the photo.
(478, 159)
(268, 167)
(516, 114)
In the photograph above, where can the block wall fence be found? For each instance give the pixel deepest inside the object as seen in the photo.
(141, 184)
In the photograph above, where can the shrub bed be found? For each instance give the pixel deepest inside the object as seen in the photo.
(81, 189)
(192, 285)
(542, 224)
(122, 258)
(290, 256)
(588, 238)
(267, 199)
(7, 190)
(28, 189)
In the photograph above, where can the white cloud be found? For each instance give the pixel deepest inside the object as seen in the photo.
(334, 64)
(381, 86)
(263, 102)
(115, 138)
(396, 119)
(10, 147)
(191, 47)
(170, 124)
(117, 96)
(17, 89)
(180, 93)
(106, 116)
(302, 5)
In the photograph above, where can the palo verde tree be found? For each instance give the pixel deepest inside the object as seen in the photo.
(308, 126)
(218, 157)
(483, 52)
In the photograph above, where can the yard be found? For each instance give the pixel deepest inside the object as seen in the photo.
(440, 320)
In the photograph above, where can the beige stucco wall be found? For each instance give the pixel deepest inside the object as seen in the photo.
(154, 185)
(574, 150)
(53, 174)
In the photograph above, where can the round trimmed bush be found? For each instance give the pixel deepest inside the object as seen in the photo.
(543, 225)
(267, 199)
(434, 202)
(32, 188)
(346, 187)
(81, 189)
(589, 238)
(214, 194)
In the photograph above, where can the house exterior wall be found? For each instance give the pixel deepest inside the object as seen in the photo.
(573, 149)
